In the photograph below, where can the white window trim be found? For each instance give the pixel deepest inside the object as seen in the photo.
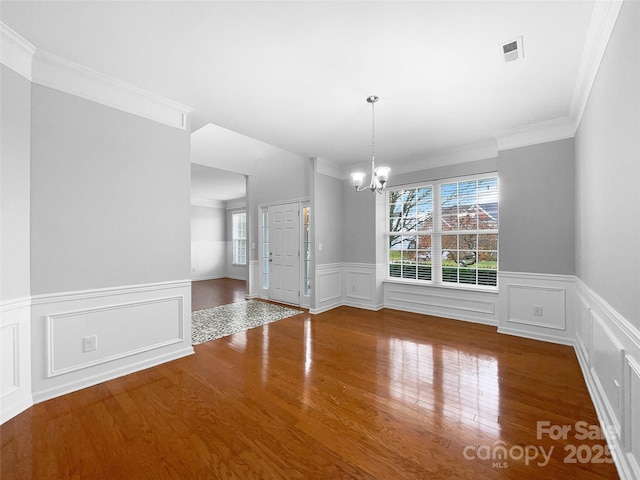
(436, 236)
(234, 254)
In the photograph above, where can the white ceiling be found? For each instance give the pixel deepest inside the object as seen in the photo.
(295, 75)
(208, 183)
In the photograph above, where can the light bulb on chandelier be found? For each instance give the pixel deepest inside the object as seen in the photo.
(380, 175)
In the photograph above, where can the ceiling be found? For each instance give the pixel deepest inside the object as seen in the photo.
(295, 75)
(209, 183)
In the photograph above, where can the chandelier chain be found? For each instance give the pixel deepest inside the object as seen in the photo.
(373, 130)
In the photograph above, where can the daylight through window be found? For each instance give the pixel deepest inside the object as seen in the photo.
(445, 232)
(239, 221)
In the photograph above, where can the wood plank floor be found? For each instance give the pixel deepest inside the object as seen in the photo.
(345, 394)
(217, 292)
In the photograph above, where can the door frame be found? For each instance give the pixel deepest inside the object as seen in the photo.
(305, 300)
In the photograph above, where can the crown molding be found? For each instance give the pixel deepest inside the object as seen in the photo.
(451, 156)
(16, 53)
(330, 169)
(60, 74)
(542, 132)
(603, 19)
(207, 202)
(51, 71)
(236, 203)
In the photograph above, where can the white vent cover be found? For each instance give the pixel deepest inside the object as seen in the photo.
(512, 50)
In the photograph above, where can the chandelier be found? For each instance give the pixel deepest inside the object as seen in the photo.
(379, 175)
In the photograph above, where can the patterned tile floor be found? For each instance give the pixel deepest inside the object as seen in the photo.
(218, 322)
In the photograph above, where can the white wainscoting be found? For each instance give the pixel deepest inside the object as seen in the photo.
(329, 287)
(362, 288)
(478, 306)
(15, 353)
(608, 349)
(632, 415)
(136, 326)
(255, 282)
(537, 306)
(350, 284)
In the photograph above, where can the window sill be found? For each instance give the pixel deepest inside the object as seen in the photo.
(444, 286)
(238, 264)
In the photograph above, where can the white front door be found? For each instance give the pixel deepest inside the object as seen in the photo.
(284, 253)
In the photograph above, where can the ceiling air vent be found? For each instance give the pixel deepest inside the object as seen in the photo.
(512, 50)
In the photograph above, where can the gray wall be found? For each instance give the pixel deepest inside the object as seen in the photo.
(537, 208)
(208, 242)
(608, 173)
(438, 173)
(14, 175)
(328, 203)
(358, 228)
(275, 179)
(536, 204)
(110, 196)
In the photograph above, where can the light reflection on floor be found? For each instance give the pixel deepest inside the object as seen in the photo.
(461, 387)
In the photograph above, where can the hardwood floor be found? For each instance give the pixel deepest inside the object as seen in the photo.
(345, 394)
(213, 293)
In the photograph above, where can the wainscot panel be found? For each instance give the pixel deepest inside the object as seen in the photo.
(608, 349)
(15, 351)
(476, 306)
(361, 288)
(537, 306)
(83, 338)
(607, 360)
(632, 415)
(329, 287)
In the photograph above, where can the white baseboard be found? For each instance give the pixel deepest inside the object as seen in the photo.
(543, 337)
(91, 380)
(208, 277)
(235, 277)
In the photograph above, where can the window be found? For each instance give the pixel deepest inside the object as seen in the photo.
(265, 250)
(306, 249)
(445, 232)
(239, 221)
(411, 228)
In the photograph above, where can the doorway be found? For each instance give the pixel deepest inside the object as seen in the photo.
(284, 253)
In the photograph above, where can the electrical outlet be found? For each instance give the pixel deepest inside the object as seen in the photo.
(90, 343)
(537, 310)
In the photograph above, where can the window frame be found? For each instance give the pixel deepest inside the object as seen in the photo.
(236, 239)
(436, 233)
